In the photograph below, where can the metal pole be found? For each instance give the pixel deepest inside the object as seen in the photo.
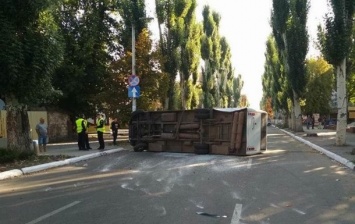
(134, 106)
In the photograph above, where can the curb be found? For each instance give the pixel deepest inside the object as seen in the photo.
(32, 169)
(10, 174)
(331, 155)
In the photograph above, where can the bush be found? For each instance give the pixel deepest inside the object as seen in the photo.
(8, 156)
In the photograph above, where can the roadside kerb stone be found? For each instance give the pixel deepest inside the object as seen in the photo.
(10, 174)
(32, 169)
(331, 155)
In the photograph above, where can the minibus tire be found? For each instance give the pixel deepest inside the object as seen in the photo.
(140, 147)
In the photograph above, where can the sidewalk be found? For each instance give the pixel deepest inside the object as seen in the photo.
(70, 149)
(324, 142)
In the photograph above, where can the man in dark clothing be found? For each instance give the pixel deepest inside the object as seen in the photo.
(114, 128)
(100, 127)
(87, 143)
(81, 130)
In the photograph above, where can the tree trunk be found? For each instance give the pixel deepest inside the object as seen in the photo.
(18, 128)
(297, 116)
(169, 100)
(286, 121)
(183, 92)
(341, 104)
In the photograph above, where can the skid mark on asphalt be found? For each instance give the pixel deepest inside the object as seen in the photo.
(161, 210)
(125, 186)
(235, 195)
(250, 161)
(53, 213)
(298, 211)
(211, 215)
(197, 204)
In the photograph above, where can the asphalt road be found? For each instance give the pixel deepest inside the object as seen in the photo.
(290, 183)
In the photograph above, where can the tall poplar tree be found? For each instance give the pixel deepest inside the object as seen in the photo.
(211, 54)
(274, 82)
(288, 19)
(189, 31)
(169, 45)
(336, 43)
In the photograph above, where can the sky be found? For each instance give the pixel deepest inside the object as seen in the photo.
(246, 26)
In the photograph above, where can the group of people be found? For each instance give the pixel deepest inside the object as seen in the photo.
(310, 121)
(81, 128)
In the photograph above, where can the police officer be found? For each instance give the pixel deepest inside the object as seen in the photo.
(81, 130)
(86, 136)
(100, 127)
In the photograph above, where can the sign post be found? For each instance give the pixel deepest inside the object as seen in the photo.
(134, 104)
(133, 90)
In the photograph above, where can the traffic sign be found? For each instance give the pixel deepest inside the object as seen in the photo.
(133, 80)
(134, 91)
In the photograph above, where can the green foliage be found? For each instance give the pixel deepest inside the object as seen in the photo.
(169, 45)
(89, 30)
(189, 46)
(31, 48)
(152, 81)
(288, 19)
(237, 88)
(132, 12)
(279, 18)
(351, 73)
(7, 156)
(335, 40)
(297, 44)
(212, 58)
(273, 80)
(320, 83)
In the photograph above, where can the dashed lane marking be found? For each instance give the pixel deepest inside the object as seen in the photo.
(53, 213)
(236, 214)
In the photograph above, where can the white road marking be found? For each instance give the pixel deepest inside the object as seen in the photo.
(236, 214)
(53, 213)
(299, 211)
(249, 163)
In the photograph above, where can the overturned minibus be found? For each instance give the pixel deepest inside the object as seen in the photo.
(225, 131)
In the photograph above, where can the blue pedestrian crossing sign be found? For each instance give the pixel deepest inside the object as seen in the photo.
(134, 91)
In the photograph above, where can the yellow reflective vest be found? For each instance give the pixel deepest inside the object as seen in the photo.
(100, 125)
(79, 125)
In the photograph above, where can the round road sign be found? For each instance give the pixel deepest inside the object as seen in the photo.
(133, 80)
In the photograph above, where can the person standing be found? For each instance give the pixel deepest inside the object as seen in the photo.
(114, 128)
(86, 135)
(312, 120)
(308, 121)
(81, 130)
(42, 132)
(100, 127)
